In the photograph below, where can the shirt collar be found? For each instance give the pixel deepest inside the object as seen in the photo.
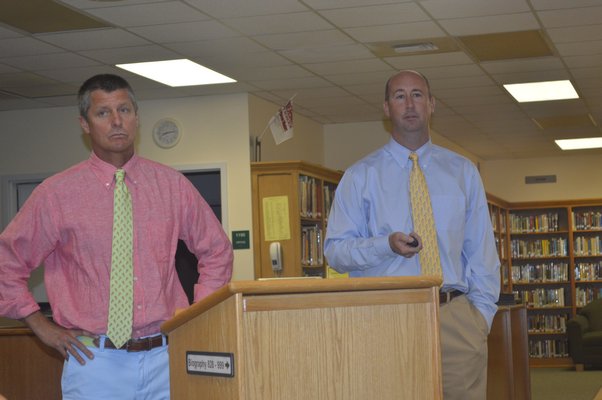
(401, 154)
(105, 172)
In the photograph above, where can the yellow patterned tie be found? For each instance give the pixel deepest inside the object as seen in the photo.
(122, 297)
(424, 223)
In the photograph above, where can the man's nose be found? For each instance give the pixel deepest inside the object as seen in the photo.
(116, 118)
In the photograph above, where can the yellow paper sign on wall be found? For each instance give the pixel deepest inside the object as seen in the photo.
(276, 224)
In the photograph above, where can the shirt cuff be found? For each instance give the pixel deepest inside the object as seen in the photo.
(382, 248)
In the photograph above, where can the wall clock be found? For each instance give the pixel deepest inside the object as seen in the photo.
(166, 133)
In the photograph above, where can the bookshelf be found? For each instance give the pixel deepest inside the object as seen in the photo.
(551, 260)
(291, 202)
(498, 210)
(540, 263)
(587, 254)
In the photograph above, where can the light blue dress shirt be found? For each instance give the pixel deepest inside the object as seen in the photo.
(373, 200)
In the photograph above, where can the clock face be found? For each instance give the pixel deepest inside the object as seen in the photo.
(166, 133)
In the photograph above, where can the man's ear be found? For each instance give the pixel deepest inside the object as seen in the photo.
(432, 105)
(84, 124)
(386, 109)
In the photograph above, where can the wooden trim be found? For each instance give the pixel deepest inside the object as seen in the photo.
(335, 299)
(306, 168)
(298, 285)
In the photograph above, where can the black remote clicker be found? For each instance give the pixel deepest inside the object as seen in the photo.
(413, 243)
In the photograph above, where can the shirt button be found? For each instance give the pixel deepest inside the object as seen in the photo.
(135, 278)
(139, 307)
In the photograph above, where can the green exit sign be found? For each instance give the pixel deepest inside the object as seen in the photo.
(240, 240)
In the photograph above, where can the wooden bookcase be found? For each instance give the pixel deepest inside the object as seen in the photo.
(498, 210)
(553, 266)
(291, 202)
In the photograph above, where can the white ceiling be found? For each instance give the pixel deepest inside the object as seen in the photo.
(322, 50)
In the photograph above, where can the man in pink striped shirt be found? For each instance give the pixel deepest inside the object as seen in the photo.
(66, 224)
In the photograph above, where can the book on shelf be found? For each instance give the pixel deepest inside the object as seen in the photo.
(588, 271)
(537, 273)
(547, 323)
(311, 246)
(541, 297)
(547, 222)
(588, 246)
(548, 348)
(309, 198)
(533, 248)
(585, 295)
(586, 220)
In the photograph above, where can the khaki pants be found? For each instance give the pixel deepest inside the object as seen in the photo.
(464, 350)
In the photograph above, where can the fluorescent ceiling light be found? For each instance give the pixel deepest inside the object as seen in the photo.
(542, 91)
(414, 47)
(177, 73)
(577, 144)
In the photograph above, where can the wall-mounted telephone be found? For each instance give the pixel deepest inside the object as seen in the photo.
(276, 256)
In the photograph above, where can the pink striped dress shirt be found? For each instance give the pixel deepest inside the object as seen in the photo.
(66, 224)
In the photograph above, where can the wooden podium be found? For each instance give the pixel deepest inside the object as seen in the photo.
(368, 338)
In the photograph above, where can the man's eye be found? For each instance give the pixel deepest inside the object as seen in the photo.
(125, 110)
(102, 113)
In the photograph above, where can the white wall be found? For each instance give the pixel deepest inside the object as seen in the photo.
(577, 177)
(215, 130)
(344, 144)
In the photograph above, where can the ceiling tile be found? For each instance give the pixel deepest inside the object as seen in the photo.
(575, 33)
(92, 39)
(376, 78)
(25, 46)
(225, 47)
(562, 4)
(443, 9)
(429, 60)
(571, 17)
(246, 8)
(376, 15)
(149, 14)
(490, 24)
(300, 40)
(320, 54)
(345, 67)
(335, 4)
(279, 84)
(185, 31)
(591, 47)
(279, 23)
(405, 32)
(130, 54)
(278, 72)
(49, 61)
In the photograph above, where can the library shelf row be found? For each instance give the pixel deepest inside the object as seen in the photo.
(552, 264)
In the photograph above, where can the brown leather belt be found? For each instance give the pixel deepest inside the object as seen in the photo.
(133, 345)
(446, 297)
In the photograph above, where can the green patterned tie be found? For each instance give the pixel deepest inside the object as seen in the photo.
(122, 297)
(424, 223)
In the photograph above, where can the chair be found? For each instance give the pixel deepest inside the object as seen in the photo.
(585, 335)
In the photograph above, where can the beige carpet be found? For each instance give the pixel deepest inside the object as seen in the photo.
(565, 384)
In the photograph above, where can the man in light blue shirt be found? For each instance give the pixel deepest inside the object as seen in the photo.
(370, 230)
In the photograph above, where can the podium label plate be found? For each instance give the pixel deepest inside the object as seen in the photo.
(210, 363)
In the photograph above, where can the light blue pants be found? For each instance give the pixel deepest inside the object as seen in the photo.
(118, 375)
